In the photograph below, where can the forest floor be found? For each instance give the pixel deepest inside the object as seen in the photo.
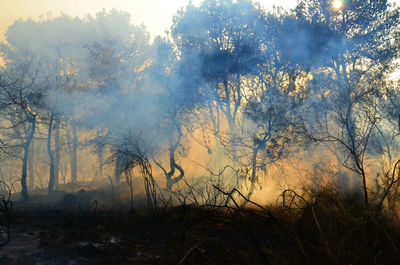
(176, 236)
(324, 233)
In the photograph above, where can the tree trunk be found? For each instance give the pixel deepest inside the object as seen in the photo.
(74, 155)
(364, 186)
(253, 171)
(173, 165)
(100, 158)
(30, 167)
(57, 152)
(100, 153)
(51, 156)
(24, 190)
(118, 167)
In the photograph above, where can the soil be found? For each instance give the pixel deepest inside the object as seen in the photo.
(183, 235)
(71, 234)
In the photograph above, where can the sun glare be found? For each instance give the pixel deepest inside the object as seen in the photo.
(337, 4)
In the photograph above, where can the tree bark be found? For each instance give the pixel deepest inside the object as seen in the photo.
(57, 152)
(30, 167)
(253, 171)
(74, 155)
(118, 168)
(100, 158)
(24, 190)
(51, 155)
(173, 165)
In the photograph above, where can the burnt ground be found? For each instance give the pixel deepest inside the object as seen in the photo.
(322, 234)
(181, 235)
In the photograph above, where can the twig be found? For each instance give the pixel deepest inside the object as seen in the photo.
(190, 251)
(324, 239)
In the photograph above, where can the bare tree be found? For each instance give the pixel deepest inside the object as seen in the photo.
(357, 46)
(220, 45)
(21, 96)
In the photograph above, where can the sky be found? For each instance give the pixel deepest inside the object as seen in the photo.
(155, 14)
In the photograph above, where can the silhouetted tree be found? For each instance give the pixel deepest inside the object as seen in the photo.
(219, 45)
(358, 41)
(21, 98)
(274, 99)
(55, 39)
(176, 99)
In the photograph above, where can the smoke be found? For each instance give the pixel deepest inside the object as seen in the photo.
(231, 79)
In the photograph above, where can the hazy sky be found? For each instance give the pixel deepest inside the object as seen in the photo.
(155, 14)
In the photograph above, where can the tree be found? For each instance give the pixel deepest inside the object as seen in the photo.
(80, 56)
(219, 45)
(358, 41)
(21, 98)
(117, 59)
(176, 100)
(58, 76)
(274, 99)
(54, 39)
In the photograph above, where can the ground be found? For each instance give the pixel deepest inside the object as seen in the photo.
(322, 233)
(175, 236)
